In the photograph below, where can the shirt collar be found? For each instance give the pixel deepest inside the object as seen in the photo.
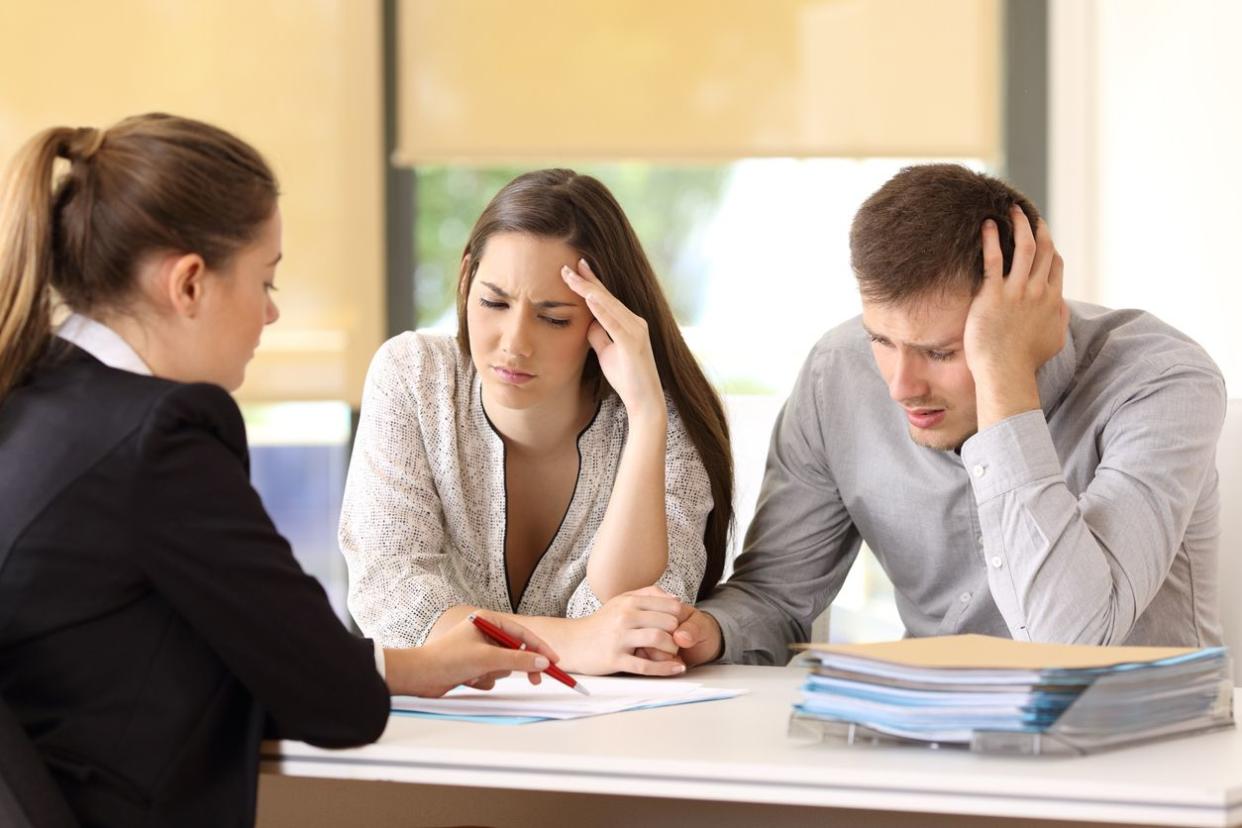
(103, 343)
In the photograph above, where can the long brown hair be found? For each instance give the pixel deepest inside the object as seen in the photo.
(150, 183)
(579, 210)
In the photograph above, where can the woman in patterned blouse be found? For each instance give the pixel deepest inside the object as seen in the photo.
(564, 459)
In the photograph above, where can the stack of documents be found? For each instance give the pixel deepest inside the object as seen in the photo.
(998, 694)
(514, 700)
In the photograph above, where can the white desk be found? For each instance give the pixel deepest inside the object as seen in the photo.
(685, 765)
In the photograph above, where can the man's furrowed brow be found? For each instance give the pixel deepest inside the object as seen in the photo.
(935, 346)
(922, 346)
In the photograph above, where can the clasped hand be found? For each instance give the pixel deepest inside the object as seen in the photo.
(630, 633)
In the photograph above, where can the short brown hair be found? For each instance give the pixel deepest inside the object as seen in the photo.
(919, 234)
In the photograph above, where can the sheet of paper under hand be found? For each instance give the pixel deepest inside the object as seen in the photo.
(514, 700)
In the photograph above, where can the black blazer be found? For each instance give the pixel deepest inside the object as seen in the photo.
(153, 623)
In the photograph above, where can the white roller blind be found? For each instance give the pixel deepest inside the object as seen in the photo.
(491, 80)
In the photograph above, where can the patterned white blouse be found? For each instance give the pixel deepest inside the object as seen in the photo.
(423, 521)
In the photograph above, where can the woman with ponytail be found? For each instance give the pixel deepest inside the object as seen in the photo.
(153, 624)
(563, 461)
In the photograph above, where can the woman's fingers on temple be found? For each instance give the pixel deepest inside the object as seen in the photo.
(604, 313)
(586, 285)
(598, 337)
(584, 268)
(583, 281)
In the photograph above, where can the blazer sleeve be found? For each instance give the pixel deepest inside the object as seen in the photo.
(392, 520)
(208, 546)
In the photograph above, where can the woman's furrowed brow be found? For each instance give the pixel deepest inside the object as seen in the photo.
(546, 304)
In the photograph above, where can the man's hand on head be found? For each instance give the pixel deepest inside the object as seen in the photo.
(1017, 322)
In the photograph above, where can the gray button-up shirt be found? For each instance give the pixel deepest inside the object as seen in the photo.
(1094, 520)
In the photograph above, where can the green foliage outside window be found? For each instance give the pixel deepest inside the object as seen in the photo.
(665, 204)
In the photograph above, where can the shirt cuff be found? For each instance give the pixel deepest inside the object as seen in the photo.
(379, 660)
(1010, 454)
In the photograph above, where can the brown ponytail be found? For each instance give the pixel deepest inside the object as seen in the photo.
(26, 254)
(561, 204)
(150, 183)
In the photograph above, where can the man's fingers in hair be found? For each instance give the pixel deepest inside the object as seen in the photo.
(993, 260)
(1045, 253)
(1024, 248)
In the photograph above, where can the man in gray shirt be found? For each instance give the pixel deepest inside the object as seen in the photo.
(1021, 466)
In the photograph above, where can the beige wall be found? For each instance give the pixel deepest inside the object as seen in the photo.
(497, 80)
(300, 80)
(1145, 176)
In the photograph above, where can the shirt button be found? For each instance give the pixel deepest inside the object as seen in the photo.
(981, 541)
(997, 563)
(979, 470)
(964, 597)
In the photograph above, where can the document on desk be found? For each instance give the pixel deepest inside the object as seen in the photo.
(1016, 696)
(514, 700)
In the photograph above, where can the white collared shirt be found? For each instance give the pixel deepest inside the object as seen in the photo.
(107, 346)
(103, 343)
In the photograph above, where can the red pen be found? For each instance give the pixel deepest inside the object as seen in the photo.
(505, 640)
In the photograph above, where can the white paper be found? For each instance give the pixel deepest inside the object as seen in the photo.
(516, 696)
